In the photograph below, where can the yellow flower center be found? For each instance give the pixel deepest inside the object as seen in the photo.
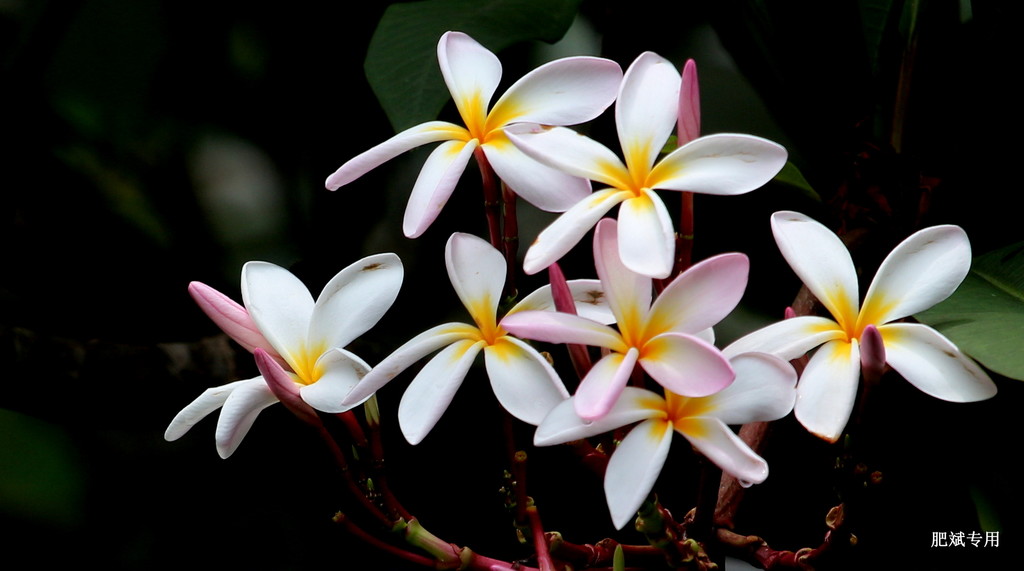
(304, 363)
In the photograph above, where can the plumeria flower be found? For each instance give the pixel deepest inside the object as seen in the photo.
(920, 272)
(284, 327)
(645, 114)
(667, 338)
(523, 381)
(567, 91)
(763, 391)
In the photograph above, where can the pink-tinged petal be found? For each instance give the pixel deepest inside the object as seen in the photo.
(231, 317)
(646, 110)
(284, 388)
(872, 352)
(280, 305)
(571, 152)
(239, 412)
(933, 364)
(634, 468)
(701, 296)
(470, 71)
(724, 164)
(562, 424)
(402, 358)
(920, 272)
(648, 245)
(477, 272)
(435, 184)
(628, 293)
(688, 125)
(211, 399)
(821, 261)
(545, 187)
(355, 299)
(828, 388)
(603, 384)
(342, 371)
(764, 389)
(587, 296)
(714, 440)
(566, 91)
(430, 132)
(686, 365)
(524, 382)
(557, 327)
(430, 393)
(568, 229)
(789, 338)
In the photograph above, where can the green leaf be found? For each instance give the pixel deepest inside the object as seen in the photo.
(792, 176)
(985, 316)
(401, 60)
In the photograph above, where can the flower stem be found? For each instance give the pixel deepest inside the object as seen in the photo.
(492, 198)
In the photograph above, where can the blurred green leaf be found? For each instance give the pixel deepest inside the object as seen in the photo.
(792, 176)
(401, 61)
(985, 316)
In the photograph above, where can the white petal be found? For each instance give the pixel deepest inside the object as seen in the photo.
(920, 272)
(634, 468)
(543, 186)
(355, 299)
(557, 327)
(566, 231)
(603, 384)
(686, 365)
(280, 305)
(571, 152)
(648, 243)
(470, 71)
(701, 296)
(789, 338)
(566, 91)
(647, 107)
(562, 424)
(828, 388)
(411, 138)
(239, 412)
(523, 381)
(764, 389)
(720, 445)
(211, 399)
(628, 293)
(588, 295)
(342, 371)
(821, 261)
(430, 393)
(723, 164)
(477, 272)
(435, 184)
(933, 364)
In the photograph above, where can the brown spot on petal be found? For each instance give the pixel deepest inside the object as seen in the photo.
(371, 267)
(594, 297)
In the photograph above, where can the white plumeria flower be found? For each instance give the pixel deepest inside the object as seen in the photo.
(763, 391)
(920, 272)
(645, 114)
(281, 318)
(567, 91)
(669, 339)
(523, 381)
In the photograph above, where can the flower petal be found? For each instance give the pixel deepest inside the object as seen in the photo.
(524, 382)
(409, 139)
(342, 371)
(571, 152)
(239, 412)
(588, 297)
(557, 327)
(764, 389)
(231, 317)
(477, 272)
(430, 393)
(355, 299)
(284, 387)
(568, 229)
(686, 365)
(435, 184)
(210, 400)
(470, 71)
(789, 338)
(280, 305)
(933, 364)
(603, 384)
(723, 164)
(701, 296)
(543, 186)
(828, 388)
(646, 110)
(720, 445)
(629, 293)
(562, 424)
(650, 244)
(920, 272)
(688, 125)
(634, 468)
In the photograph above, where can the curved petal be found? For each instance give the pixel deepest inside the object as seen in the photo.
(477, 272)
(355, 299)
(284, 386)
(562, 424)
(720, 445)
(933, 364)
(688, 124)
(470, 71)
(821, 261)
(524, 382)
(629, 293)
(603, 384)
(568, 229)
(646, 110)
(571, 152)
(701, 296)
(789, 338)
(588, 296)
(231, 317)
(723, 164)
(411, 351)
(686, 365)
(413, 137)
(430, 393)
(920, 272)
(280, 305)
(828, 388)
(557, 327)
(210, 400)
(342, 371)
(634, 468)
(239, 412)
(435, 184)
(764, 389)
(648, 246)
(543, 186)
